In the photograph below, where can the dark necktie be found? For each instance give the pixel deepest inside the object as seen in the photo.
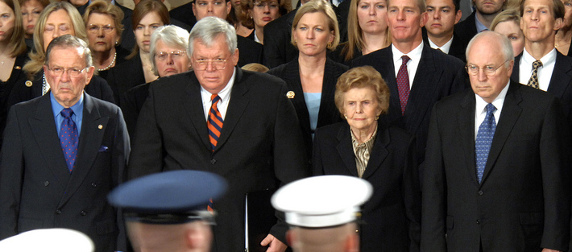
(484, 140)
(214, 123)
(403, 83)
(533, 81)
(69, 138)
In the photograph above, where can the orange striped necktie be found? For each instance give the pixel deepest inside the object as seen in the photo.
(214, 122)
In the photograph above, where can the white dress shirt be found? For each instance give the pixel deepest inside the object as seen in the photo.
(224, 95)
(481, 110)
(412, 64)
(445, 48)
(544, 72)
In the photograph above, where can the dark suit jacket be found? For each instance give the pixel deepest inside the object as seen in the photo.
(523, 201)
(36, 187)
(131, 103)
(438, 76)
(560, 82)
(458, 46)
(97, 88)
(125, 76)
(249, 51)
(184, 14)
(258, 149)
(6, 87)
(328, 113)
(467, 28)
(391, 217)
(277, 47)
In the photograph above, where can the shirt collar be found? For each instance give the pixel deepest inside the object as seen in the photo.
(480, 26)
(77, 108)
(445, 48)
(414, 55)
(549, 58)
(497, 102)
(224, 94)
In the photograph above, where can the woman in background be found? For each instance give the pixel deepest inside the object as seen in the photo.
(31, 10)
(367, 30)
(508, 23)
(311, 78)
(262, 12)
(564, 34)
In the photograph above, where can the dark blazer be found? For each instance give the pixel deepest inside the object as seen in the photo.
(131, 103)
(338, 56)
(328, 113)
(523, 201)
(277, 47)
(467, 29)
(560, 82)
(392, 216)
(125, 76)
(458, 46)
(36, 187)
(438, 76)
(16, 76)
(26, 89)
(259, 146)
(249, 51)
(184, 14)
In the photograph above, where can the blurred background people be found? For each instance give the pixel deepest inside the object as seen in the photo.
(261, 12)
(169, 56)
(31, 10)
(381, 154)
(367, 30)
(564, 34)
(311, 78)
(508, 23)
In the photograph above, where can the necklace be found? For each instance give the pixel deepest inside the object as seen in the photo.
(111, 64)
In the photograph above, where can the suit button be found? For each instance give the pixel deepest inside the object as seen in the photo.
(47, 183)
(213, 161)
(83, 213)
(481, 193)
(58, 211)
(93, 184)
(478, 222)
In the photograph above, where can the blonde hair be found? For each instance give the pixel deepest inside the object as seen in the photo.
(106, 8)
(323, 7)
(38, 56)
(17, 44)
(505, 16)
(355, 33)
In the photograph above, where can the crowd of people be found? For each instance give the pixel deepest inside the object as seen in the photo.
(461, 128)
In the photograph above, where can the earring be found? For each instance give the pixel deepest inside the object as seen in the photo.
(345, 116)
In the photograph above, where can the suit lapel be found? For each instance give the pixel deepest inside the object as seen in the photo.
(192, 102)
(380, 149)
(328, 89)
(561, 77)
(345, 149)
(236, 107)
(44, 130)
(466, 126)
(292, 79)
(90, 140)
(387, 70)
(515, 76)
(509, 115)
(426, 78)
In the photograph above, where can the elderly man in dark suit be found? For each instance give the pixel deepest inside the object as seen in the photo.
(417, 76)
(63, 154)
(498, 162)
(218, 118)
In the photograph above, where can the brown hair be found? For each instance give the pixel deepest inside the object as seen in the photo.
(323, 7)
(362, 77)
(105, 8)
(16, 45)
(355, 33)
(284, 6)
(141, 10)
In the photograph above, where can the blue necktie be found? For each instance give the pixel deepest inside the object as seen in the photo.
(69, 138)
(485, 139)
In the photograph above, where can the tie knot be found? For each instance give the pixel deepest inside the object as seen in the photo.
(491, 108)
(67, 112)
(404, 59)
(537, 64)
(215, 98)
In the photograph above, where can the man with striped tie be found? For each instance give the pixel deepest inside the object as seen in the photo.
(218, 118)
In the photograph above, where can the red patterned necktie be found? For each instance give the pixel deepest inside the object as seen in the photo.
(214, 122)
(403, 83)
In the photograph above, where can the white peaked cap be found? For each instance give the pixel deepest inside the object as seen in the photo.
(48, 240)
(322, 201)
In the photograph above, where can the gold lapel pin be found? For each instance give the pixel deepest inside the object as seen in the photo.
(18, 67)
(100, 126)
(290, 94)
(28, 83)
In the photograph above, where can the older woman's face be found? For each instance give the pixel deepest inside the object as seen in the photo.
(263, 12)
(58, 23)
(372, 15)
(31, 10)
(513, 32)
(170, 60)
(312, 34)
(361, 108)
(145, 28)
(101, 32)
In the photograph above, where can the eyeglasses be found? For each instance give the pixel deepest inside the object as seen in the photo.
(72, 72)
(271, 5)
(95, 28)
(489, 70)
(202, 64)
(175, 55)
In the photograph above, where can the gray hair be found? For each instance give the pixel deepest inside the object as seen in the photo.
(171, 35)
(73, 42)
(208, 29)
(506, 46)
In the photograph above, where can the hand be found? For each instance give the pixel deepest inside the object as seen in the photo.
(274, 245)
(550, 250)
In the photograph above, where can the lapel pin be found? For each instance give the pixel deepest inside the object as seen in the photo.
(28, 83)
(100, 126)
(290, 94)
(18, 67)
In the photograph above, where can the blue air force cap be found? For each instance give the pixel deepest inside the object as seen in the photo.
(169, 197)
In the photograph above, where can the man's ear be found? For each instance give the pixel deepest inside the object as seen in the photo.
(458, 16)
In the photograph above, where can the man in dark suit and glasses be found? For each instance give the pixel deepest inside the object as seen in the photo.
(63, 154)
(498, 162)
(218, 118)
(417, 75)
